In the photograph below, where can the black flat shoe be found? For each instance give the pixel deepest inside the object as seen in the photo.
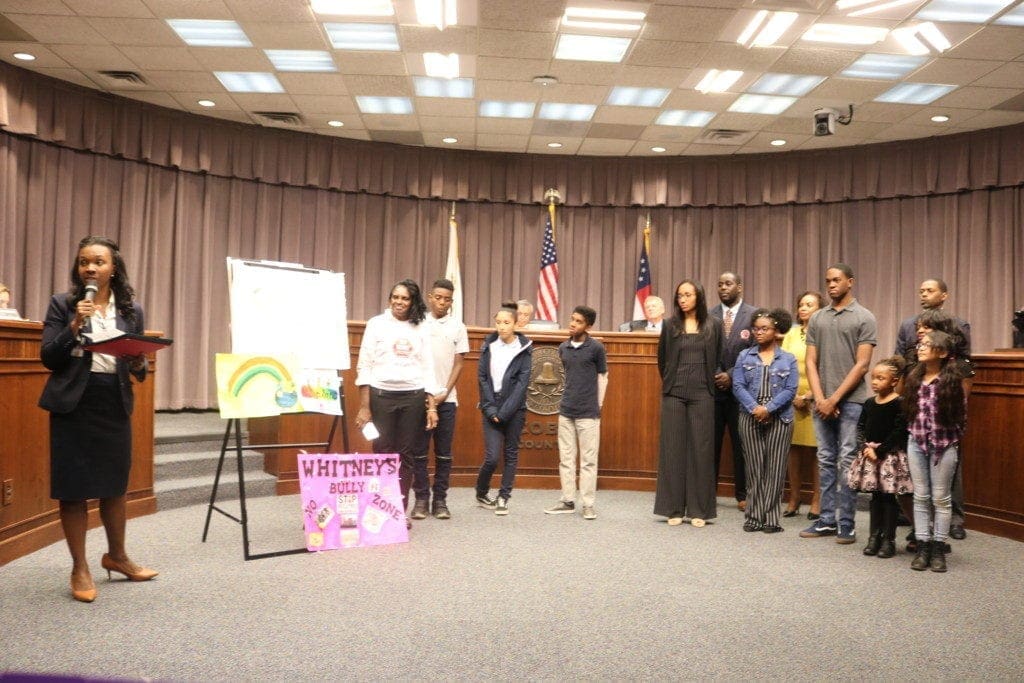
(792, 513)
(813, 516)
(751, 526)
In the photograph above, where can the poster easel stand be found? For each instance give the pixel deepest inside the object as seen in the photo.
(235, 425)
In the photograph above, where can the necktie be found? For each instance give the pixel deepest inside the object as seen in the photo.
(728, 321)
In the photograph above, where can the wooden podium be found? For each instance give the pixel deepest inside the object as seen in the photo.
(28, 517)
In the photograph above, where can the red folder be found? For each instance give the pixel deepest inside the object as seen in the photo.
(127, 344)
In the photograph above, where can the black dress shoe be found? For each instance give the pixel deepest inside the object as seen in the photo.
(792, 513)
(957, 531)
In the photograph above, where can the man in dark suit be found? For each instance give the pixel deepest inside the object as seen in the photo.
(737, 317)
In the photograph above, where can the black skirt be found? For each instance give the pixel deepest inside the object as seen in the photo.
(91, 447)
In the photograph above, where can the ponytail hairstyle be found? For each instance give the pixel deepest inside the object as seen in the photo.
(124, 294)
(951, 410)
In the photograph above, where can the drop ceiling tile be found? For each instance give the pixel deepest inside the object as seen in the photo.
(1012, 104)
(436, 139)
(59, 30)
(298, 83)
(189, 9)
(666, 53)
(370, 63)
(232, 58)
(831, 142)
(384, 86)
(994, 118)
(270, 10)
(288, 36)
(904, 131)
(573, 93)
(109, 8)
(740, 121)
(95, 57)
(604, 147)
(957, 117)
(45, 57)
(458, 39)
(972, 97)
(585, 73)
(183, 81)
(642, 148)
(991, 42)
(789, 125)
(445, 106)
(539, 145)
(518, 44)
(953, 71)
(397, 137)
(53, 7)
(190, 101)
(692, 99)
(325, 104)
(881, 112)
(456, 126)
(615, 131)
(160, 99)
(851, 90)
(319, 124)
(508, 91)
(762, 144)
(501, 126)
(650, 76)
(148, 32)
(235, 116)
(700, 150)
(671, 134)
(253, 101)
(163, 58)
(390, 122)
(528, 15)
(638, 116)
(806, 106)
(348, 133)
(733, 56)
(1009, 75)
(809, 60)
(567, 129)
(71, 76)
(502, 142)
(505, 69)
(690, 24)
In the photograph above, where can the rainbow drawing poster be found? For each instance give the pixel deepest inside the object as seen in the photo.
(257, 386)
(319, 391)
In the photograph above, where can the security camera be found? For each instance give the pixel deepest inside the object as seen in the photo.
(825, 122)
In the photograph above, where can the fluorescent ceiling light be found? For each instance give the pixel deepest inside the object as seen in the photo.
(603, 19)
(559, 111)
(685, 117)
(845, 34)
(301, 60)
(966, 11)
(208, 33)
(441, 66)
(591, 48)
(718, 81)
(443, 87)
(761, 104)
(883, 67)
(509, 110)
(353, 8)
(375, 37)
(766, 28)
(785, 84)
(248, 81)
(879, 7)
(384, 105)
(625, 96)
(24, 56)
(915, 93)
(1014, 17)
(439, 13)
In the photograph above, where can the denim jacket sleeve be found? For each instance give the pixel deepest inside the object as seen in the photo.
(785, 377)
(745, 375)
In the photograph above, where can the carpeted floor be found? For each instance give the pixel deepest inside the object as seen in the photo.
(529, 596)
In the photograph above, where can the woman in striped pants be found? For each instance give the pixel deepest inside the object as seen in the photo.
(764, 381)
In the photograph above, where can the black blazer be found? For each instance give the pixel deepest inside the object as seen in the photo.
(668, 352)
(70, 373)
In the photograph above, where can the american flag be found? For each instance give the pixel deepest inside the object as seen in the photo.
(643, 278)
(547, 284)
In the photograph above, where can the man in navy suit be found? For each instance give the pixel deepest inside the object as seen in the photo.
(736, 316)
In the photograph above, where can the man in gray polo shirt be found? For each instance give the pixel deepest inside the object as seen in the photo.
(840, 340)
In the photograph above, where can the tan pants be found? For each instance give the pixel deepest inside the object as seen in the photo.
(582, 435)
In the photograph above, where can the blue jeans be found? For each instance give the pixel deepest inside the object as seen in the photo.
(501, 440)
(837, 446)
(932, 488)
(442, 436)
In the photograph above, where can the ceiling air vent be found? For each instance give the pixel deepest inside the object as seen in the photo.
(724, 136)
(280, 118)
(124, 77)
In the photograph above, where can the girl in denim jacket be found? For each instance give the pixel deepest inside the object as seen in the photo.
(764, 381)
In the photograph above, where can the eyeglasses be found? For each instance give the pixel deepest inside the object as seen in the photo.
(762, 330)
(924, 345)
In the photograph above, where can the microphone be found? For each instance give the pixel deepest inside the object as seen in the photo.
(90, 292)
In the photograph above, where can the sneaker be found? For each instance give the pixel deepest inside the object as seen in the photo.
(818, 529)
(562, 508)
(588, 513)
(501, 508)
(441, 510)
(487, 503)
(846, 535)
(419, 510)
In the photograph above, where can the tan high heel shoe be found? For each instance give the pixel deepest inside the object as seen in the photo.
(111, 565)
(87, 595)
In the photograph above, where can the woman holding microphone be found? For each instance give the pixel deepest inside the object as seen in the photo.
(89, 396)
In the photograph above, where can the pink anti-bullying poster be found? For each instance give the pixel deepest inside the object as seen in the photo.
(351, 500)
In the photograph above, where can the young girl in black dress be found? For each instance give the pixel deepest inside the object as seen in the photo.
(881, 462)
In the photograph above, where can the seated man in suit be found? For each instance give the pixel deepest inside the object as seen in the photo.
(654, 310)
